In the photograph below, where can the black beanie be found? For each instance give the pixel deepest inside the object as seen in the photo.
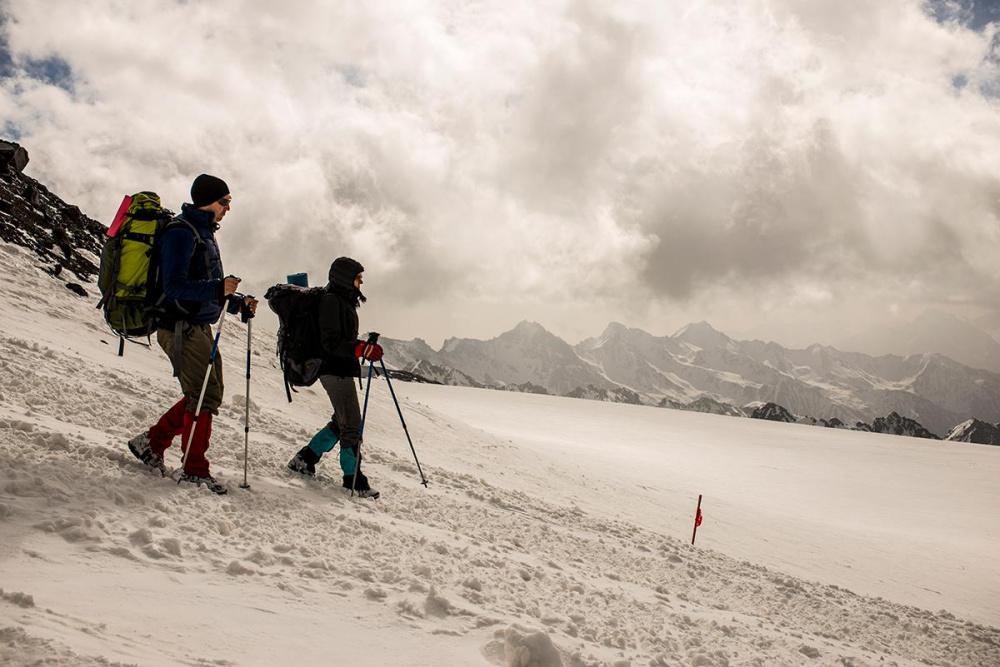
(343, 271)
(207, 189)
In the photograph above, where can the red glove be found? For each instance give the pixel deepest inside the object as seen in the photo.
(370, 351)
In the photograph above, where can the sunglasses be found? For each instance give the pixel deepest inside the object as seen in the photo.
(226, 202)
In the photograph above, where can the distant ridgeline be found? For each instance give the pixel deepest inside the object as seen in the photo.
(698, 368)
(67, 242)
(894, 424)
(702, 369)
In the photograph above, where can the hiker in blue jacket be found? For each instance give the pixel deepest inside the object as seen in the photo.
(195, 290)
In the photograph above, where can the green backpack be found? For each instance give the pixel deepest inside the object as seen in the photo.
(129, 275)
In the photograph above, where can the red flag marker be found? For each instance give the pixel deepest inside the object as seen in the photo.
(697, 519)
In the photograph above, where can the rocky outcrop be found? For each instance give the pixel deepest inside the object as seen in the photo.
(772, 412)
(896, 424)
(976, 431)
(827, 423)
(32, 217)
(616, 395)
(709, 405)
(526, 388)
(13, 156)
(431, 372)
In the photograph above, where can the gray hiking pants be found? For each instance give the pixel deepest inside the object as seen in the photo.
(193, 362)
(346, 411)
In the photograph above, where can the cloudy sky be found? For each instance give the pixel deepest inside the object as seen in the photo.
(786, 169)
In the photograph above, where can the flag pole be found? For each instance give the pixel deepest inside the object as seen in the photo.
(697, 519)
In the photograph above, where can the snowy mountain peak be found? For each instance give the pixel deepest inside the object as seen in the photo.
(704, 335)
(614, 329)
(614, 332)
(526, 330)
(529, 327)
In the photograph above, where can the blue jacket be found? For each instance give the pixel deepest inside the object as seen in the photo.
(192, 274)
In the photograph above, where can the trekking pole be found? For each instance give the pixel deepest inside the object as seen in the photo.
(248, 318)
(361, 430)
(385, 372)
(204, 386)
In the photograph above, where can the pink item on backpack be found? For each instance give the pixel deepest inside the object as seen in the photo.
(120, 215)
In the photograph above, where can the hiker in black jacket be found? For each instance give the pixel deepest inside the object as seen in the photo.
(338, 325)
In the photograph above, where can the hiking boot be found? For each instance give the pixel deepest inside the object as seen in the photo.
(361, 487)
(300, 465)
(304, 462)
(139, 446)
(212, 484)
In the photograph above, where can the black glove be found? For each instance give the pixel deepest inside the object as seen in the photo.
(233, 302)
(248, 308)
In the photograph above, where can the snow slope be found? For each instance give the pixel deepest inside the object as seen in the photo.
(553, 531)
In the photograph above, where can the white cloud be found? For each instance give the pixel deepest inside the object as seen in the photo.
(569, 162)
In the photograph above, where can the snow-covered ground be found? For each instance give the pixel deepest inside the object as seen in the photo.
(915, 521)
(554, 531)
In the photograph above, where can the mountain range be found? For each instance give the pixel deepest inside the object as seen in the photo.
(702, 368)
(696, 368)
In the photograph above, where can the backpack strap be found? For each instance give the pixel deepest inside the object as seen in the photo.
(136, 236)
(181, 221)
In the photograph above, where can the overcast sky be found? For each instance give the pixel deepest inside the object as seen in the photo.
(785, 169)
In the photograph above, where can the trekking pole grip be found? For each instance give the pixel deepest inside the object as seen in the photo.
(372, 340)
(233, 303)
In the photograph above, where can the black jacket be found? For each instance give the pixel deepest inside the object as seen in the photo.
(338, 329)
